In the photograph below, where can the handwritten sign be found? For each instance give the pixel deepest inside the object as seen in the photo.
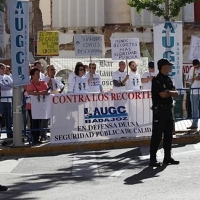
(89, 45)
(48, 43)
(194, 48)
(125, 48)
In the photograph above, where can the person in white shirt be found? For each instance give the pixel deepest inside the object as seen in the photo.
(38, 65)
(120, 78)
(148, 76)
(94, 79)
(8, 71)
(54, 84)
(79, 83)
(87, 69)
(134, 81)
(194, 77)
(6, 85)
(72, 74)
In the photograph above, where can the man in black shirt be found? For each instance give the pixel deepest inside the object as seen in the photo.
(163, 92)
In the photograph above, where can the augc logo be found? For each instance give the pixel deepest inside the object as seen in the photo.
(105, 114)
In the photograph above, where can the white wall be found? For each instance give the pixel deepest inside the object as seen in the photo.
(117, 12)
(45, 6)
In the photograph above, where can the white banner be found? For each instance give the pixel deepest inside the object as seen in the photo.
(125, 48)
(89, 45)
(19, 27)
(168, 39)
(194, 48)
(103, 116)
(41, 106)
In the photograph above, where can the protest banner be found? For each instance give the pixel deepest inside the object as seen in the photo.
(89, 45)
(19, 27)
(48, 43)
(125, 48)
(168, 44)
(186, 69)
(41, 106)
(103, 116)
(194, 48)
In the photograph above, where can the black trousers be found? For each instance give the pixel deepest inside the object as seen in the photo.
(162, 123)
(34, 124)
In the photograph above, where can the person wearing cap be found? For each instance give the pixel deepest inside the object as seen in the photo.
(120, 78)
(163, 92)
(147, 76)
(194, 77)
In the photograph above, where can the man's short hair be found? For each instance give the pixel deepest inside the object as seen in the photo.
(121, 62)
(92, 64)
(195, 62)
(151, 64)
(129, 64)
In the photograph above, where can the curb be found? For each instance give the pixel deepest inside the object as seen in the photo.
(71, 148)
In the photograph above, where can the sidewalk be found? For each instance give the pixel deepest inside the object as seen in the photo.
(48, 148)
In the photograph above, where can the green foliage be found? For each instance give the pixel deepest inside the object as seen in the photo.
(155, 6)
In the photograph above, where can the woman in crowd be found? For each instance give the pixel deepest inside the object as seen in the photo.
(79, 83)
(36, 88)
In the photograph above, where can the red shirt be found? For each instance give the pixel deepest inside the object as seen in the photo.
(35, 88)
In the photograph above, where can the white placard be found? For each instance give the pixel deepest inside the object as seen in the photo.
(103, 116)
(41, 106)
(168, 43)
(194, 48)
(89, 45)
(125, 48)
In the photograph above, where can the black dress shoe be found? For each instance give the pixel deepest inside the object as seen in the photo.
(3, 188)
(39, 142)
(154, 164)
(170, 161)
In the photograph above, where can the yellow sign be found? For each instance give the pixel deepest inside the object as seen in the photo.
(48, 43)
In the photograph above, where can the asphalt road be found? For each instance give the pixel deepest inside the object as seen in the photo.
(104, 175)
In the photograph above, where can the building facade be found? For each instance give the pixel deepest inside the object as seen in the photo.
(113, 18)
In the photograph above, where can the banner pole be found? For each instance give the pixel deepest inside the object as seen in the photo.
(127, 66)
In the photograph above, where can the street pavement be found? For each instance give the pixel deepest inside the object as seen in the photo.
(121, 174)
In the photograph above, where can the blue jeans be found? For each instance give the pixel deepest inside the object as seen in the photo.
(5, 110)
(195, 98)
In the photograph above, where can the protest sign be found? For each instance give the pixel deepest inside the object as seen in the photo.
(125, 48)
(103, 116)
(48, 43)
(194, 48)
(168, 44)
(89, 45)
